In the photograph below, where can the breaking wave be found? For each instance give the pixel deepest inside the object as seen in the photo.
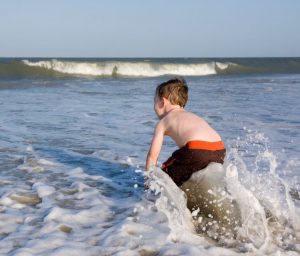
(129, 69)
(143, 68)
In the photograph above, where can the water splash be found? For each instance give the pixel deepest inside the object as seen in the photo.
(268, 216)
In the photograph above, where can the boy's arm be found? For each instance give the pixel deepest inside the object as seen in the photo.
(156, 144)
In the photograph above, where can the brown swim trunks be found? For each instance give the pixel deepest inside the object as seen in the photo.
(194, 156)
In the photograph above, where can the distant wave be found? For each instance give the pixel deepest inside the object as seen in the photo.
(129, 69)
(101, 68)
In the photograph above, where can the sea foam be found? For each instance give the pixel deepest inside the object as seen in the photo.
(128, 69)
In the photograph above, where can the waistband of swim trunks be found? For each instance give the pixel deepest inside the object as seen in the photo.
(206, 145)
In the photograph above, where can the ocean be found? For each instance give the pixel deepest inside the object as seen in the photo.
(74, 134)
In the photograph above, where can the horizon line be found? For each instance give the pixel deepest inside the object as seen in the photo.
(87, 57)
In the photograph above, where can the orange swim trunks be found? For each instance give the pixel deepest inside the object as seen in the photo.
(194, 156)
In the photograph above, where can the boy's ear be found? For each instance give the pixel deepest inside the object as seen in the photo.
(164, 101)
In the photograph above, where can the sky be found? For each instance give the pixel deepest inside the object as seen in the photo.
(149, 28)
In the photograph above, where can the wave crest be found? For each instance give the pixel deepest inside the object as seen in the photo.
(126, 68)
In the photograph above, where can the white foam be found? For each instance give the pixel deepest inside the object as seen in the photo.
(9, 223)
(88, 216)
(254, 222)
(172, 202)
(222, 66)
(43, 190)
(131, 69)
(46, 162)
(77, 215)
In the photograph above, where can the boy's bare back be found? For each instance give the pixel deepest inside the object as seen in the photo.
(183, 126)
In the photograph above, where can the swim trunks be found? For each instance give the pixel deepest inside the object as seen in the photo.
(192, 157)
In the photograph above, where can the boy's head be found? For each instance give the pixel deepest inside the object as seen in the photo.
(175, 90)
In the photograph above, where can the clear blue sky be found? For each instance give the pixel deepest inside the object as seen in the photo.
(149, 28)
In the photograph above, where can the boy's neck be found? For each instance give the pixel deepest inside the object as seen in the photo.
(171, 108)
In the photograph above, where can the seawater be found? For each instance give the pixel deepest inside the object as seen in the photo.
(73, 148)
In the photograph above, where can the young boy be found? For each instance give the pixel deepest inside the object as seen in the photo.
(198, 143)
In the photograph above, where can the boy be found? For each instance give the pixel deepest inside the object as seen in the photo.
(198, 143)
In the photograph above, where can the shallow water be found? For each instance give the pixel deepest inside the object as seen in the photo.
(72, 152)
